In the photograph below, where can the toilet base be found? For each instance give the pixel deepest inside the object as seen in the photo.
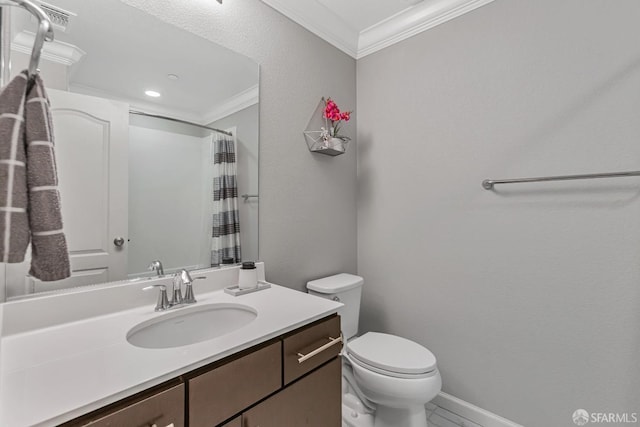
(384, 417)
(357, 413)
(354, 414)
(406, 417)
(354, 417)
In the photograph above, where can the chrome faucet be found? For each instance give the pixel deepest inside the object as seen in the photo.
(183, 277)
(157, 266)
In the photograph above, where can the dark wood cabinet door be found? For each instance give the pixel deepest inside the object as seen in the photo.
(220, 393)
(312, 401)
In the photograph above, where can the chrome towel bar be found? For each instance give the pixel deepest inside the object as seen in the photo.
(488, 184)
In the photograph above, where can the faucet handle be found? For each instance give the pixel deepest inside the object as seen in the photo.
(189, 297)
(163, 301)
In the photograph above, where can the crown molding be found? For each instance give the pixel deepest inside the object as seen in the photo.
(238, 102)
(412, 21)
(55, 51)
(232, 105)
(329, 26)
(320, 21)
(147, 107)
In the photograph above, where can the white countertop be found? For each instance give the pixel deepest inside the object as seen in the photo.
(53, 374)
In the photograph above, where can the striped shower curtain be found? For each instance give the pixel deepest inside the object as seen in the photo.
(225, 242)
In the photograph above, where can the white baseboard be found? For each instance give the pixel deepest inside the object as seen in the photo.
(471, 412)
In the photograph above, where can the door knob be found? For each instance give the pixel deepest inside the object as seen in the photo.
(118, 241)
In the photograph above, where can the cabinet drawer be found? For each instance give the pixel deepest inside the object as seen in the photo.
(305, 342)
(313, 401)
(162, 409)
(226, 390)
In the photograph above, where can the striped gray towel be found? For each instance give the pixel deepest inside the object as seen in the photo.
(29, 197)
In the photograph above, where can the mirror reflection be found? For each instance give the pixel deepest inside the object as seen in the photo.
(178, 183)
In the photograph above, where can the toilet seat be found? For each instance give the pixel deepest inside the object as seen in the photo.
(391, 355)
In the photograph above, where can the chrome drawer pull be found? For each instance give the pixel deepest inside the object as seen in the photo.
(332, 341)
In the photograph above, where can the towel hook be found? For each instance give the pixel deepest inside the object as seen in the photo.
(45, 31)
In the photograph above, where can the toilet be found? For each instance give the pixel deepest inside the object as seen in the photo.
(386, 379)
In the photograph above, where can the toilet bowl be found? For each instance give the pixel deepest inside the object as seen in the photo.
(397, 375)
(387, 379)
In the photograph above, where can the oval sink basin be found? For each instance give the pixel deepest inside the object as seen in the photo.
(191, 325)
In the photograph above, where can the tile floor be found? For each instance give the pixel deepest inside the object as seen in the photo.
(439, 417)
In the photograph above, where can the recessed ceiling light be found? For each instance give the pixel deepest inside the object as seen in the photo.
(172, 76)
(152, 93)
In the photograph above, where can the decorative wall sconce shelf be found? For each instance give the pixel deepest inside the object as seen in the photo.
(321, 141)
(330, 146)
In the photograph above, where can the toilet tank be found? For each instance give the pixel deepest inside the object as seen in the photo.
(344, 288)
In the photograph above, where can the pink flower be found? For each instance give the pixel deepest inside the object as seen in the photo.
(332, 112)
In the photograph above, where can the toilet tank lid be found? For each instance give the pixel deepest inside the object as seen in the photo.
(336, 283)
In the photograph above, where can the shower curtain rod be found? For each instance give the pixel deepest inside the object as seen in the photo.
(158, 116)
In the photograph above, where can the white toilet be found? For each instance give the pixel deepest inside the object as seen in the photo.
(386, 379)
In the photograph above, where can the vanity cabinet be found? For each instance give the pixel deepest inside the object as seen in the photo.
(313, 401)
(291, 380)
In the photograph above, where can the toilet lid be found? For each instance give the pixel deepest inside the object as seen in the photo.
(392, 353)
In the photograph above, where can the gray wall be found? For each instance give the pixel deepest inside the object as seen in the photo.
(307, 201)
(529, 296)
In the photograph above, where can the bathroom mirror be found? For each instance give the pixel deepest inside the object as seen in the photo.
(137, 188)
